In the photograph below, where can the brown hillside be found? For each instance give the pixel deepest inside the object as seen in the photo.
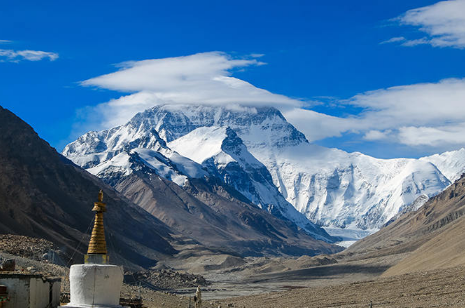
(42, 194)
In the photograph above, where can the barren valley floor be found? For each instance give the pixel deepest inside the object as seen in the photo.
(439, 288)
(352, 282)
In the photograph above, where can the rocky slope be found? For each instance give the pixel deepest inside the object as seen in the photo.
(218, 217)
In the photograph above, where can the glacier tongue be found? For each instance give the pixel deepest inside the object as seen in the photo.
(330, 187)
(348, 236)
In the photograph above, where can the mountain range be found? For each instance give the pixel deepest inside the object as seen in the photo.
(43, 194)
(255, 151)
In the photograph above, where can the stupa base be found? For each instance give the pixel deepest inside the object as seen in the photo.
(95, 286)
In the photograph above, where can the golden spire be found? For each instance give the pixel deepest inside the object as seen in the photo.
(97, 244)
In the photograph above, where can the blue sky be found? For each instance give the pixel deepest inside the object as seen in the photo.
(355, 66)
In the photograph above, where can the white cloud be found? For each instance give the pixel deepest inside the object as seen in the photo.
(418, 104)
(317, 126)
(394, 40)
(429, 114)
(376, 135)
(5, 41)
(9, 55)
(426, 114)
(444, 22)
(411, 43)
(441, 136)
(203, 78)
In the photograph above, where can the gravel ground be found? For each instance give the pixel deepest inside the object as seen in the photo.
(440, 288)
(164, 279)
(31, 248)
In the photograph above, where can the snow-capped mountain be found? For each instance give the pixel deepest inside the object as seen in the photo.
(330, 187)
(118, 152)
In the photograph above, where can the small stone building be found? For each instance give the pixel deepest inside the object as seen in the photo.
(26, 290)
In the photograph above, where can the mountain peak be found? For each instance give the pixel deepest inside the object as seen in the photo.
(174, 121)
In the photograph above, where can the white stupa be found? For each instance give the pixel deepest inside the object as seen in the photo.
(96, 284)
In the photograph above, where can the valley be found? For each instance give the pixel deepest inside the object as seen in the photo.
(217, 218)
(438, 288)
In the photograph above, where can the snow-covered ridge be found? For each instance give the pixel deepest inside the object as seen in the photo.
(451, 164)
(330, 187)
(337, 189)
(263, 125)
(108, 153)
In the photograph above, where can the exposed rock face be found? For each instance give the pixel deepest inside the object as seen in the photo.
(330, 187)
(43, 194)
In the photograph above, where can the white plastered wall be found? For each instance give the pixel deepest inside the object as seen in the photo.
(30, 292)
(18, 291)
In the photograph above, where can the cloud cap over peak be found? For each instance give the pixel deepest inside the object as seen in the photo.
(416, 115)
(203, 78)
(161, 75)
